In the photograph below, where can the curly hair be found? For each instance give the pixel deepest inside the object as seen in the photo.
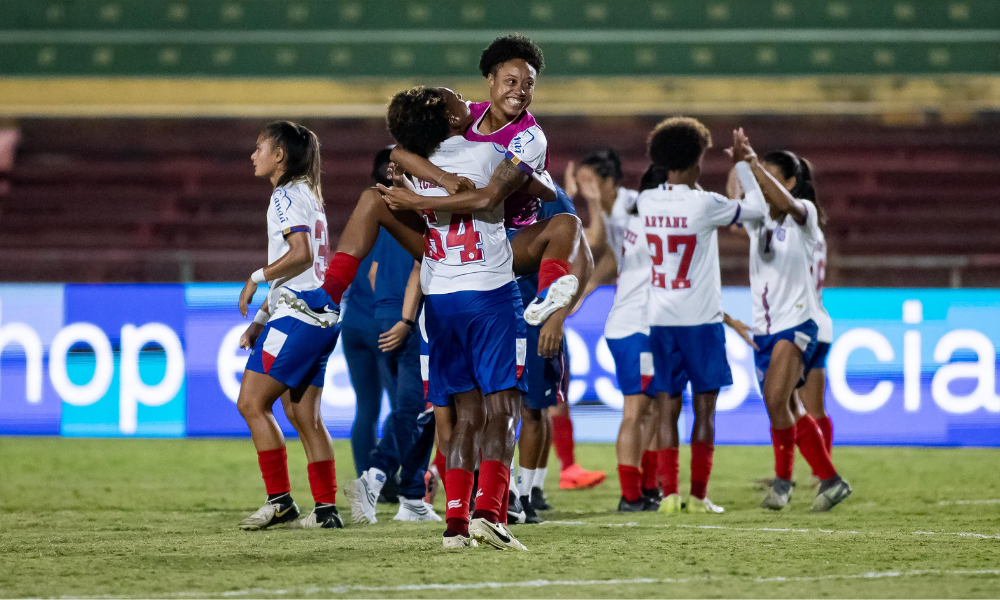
(509, 47)
(418, 119)
(678, 142)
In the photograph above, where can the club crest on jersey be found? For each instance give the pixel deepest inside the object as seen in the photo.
(273, 343)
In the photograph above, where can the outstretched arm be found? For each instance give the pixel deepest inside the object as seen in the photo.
(776, 194)
(507, 179)
(390, 340)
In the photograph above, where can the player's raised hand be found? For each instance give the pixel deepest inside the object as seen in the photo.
(246, 296)
(741, 150)
(399, 198)
(249, 337)
(569, 180)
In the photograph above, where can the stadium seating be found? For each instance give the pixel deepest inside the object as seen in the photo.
(175, 200)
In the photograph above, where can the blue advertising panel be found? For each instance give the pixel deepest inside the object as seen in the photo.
(906, 366)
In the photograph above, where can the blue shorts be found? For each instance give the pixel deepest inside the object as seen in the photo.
(818, 359)
(804, 338)
(633, 364)
(545, 375)
(475, 340)
(292, 351)
(695, 354)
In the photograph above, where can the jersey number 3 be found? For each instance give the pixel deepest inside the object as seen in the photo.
(323, 250)
(461, 234)
(674, 244)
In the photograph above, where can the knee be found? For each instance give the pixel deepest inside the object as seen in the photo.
(248, 408)
(568, 224)
(530, 415)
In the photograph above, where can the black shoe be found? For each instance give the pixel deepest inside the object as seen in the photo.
(654, 496)
(324, 516)
(516, 512)
(390, 491)
(538, 501)
(629, 507)
(530, 516)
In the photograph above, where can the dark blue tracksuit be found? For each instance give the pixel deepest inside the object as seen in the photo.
(406, 443)
(369, 376)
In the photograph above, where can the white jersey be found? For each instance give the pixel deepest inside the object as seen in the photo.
(681, 226)
(628, 313)
(819, 276)
(615, 223)
(465, 251)
(294, 208)
(781, 265)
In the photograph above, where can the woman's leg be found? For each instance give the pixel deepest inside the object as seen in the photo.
(629, 446)
(813, 396)
(702, 441)
(258, 393)
(650, 431)
(305, 404)
(667, 462)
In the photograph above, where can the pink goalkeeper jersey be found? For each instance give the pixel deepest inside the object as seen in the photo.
(520, 208)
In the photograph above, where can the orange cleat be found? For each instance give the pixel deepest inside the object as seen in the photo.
(575, 477)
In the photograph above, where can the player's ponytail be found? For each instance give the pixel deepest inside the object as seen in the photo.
(793, 165)
(302, 154)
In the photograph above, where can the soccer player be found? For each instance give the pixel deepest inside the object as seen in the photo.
(685, 308)
(785, 308)
(290, 348)
(795, 174)
(472, 310)
(551, 247)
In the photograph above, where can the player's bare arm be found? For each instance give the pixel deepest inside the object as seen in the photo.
(741, 328)
(298, 258)
(507, 179)
(777, 195)
(422, 168)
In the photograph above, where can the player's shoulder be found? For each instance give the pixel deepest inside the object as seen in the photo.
(528, 138)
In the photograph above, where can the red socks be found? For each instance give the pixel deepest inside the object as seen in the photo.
(274, 470)
(783, 441)
(458, 491)
(505, 504)
(826, 427)
(562, 439)
(813, 448)
(339, 275)
(701, 468)
(668, 466)
(631, 482)
(649, 477)
(494, 477)
(550, 270)
(323, 481)
(442, 467)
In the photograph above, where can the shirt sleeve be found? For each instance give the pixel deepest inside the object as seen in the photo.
(810, 228)
(722, 211)
(753, 207)
(291, 211)
(527, 150)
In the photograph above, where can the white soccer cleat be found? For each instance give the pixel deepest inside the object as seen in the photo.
(559, 294)
(494, 534)
(322, 318)
(272, 513)
(362, 499)
(459, 541)
(415, 510)
(330, 520)
(703, 505)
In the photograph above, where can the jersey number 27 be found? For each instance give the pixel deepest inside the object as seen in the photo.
(674, 245)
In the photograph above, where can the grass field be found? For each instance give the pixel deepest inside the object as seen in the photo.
(143, 518)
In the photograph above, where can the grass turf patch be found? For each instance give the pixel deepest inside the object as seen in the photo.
(157, 518)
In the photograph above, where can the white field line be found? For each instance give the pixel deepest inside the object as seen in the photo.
(967, 502)
(543, 583)
(984, 536)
